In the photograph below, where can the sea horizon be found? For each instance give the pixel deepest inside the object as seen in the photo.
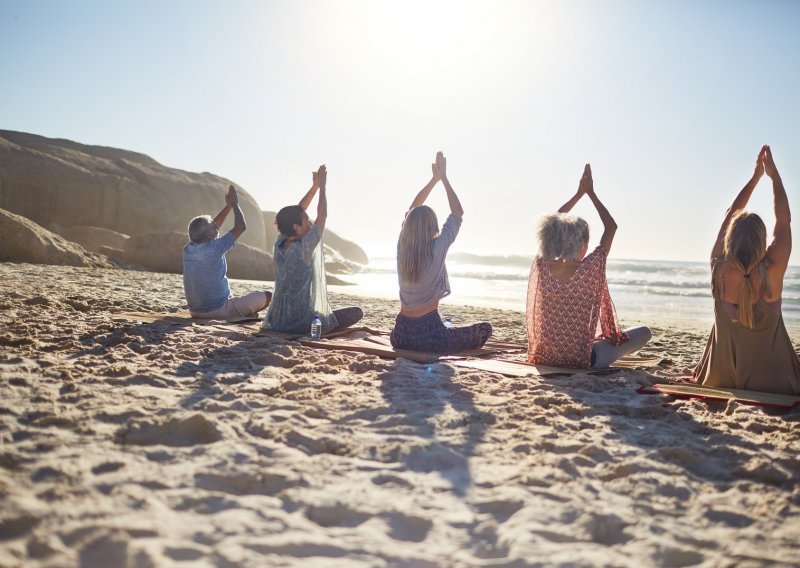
(659, 293)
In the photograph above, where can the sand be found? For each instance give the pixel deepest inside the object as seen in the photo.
(149, 445)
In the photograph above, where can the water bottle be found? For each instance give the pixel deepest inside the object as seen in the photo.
(316, 328)
(447, 322)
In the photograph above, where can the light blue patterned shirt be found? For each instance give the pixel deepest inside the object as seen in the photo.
(300, 288)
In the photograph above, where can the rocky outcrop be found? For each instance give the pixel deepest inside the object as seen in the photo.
(81, 191)
(54, 181)
(163, 252)
(25, 241)
(95, 239)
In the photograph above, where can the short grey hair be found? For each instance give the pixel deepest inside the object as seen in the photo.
(201, 228)
(562, 236)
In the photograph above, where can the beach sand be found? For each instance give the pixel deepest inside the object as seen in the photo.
(149, 445)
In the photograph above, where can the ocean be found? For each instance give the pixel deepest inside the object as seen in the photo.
(645, 292)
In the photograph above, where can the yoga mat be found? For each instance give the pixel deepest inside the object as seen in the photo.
(178, 318)
(363, 346)
(524, 369)
(516, 369)
(685, 390)
(482, 352)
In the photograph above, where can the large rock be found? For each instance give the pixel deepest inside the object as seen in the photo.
(95, 239)
(54, 181)
(25, 241)
(163, 252)
(336, 246)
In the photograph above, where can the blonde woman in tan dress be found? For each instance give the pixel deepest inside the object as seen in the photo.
(749, 347)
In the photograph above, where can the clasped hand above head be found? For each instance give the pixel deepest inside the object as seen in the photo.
(231, 197)
(586, 184)
(321, 177)
(439, 167)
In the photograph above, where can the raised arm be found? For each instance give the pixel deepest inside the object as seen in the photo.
(322, 204)
(306, 201)
(567, 207)
(739, 203)
(223, 214)
(239, 226)
(781, 248)
(423, 194)
(452, 199)
(609, 225)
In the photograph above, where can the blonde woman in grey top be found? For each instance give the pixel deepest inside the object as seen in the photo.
(422, 275)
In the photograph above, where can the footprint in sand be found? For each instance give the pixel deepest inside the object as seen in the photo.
(107, 550)
(184, 553)
(407, 528)
(108, 467)
(676, 557)
(501, 509)
(263, 483)
(729, 518)
(605, 529)
(389, 479)
(15, 527)
(190, 431)
(336, 516)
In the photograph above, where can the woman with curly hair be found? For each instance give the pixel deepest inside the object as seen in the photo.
(570, 317)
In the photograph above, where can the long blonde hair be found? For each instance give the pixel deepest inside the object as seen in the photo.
(744, 247)
(415, 250)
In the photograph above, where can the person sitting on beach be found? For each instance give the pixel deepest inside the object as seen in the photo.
(205, 279)
(570, 317)
(301, 292)
(422, 275)
(749, 347)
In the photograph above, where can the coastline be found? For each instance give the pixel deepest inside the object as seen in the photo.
(142, 444)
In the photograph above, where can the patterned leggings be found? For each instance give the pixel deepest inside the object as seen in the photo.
(428, 333)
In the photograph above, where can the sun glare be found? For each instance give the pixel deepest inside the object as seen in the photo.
(403, 51)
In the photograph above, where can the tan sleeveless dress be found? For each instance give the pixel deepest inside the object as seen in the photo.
(759, 359)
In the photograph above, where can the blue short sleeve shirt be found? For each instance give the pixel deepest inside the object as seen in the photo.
(205, 270)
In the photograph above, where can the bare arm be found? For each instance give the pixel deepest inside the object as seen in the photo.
(322, 204)
(739, 203)
(609, 225)
(452, 199)
(239, 226)
(781, 248)
(223, 214)
(423, 194)
(306, 201)
(567, 207)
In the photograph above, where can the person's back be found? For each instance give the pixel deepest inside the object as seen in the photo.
(301, 293)
(205, 280)
(292, 307)
(570, 317)
(565, 307)
(749, 347)
(422, 276)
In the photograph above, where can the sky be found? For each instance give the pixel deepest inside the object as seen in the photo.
(669, 101)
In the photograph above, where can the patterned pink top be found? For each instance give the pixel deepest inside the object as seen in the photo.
(565, 318)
